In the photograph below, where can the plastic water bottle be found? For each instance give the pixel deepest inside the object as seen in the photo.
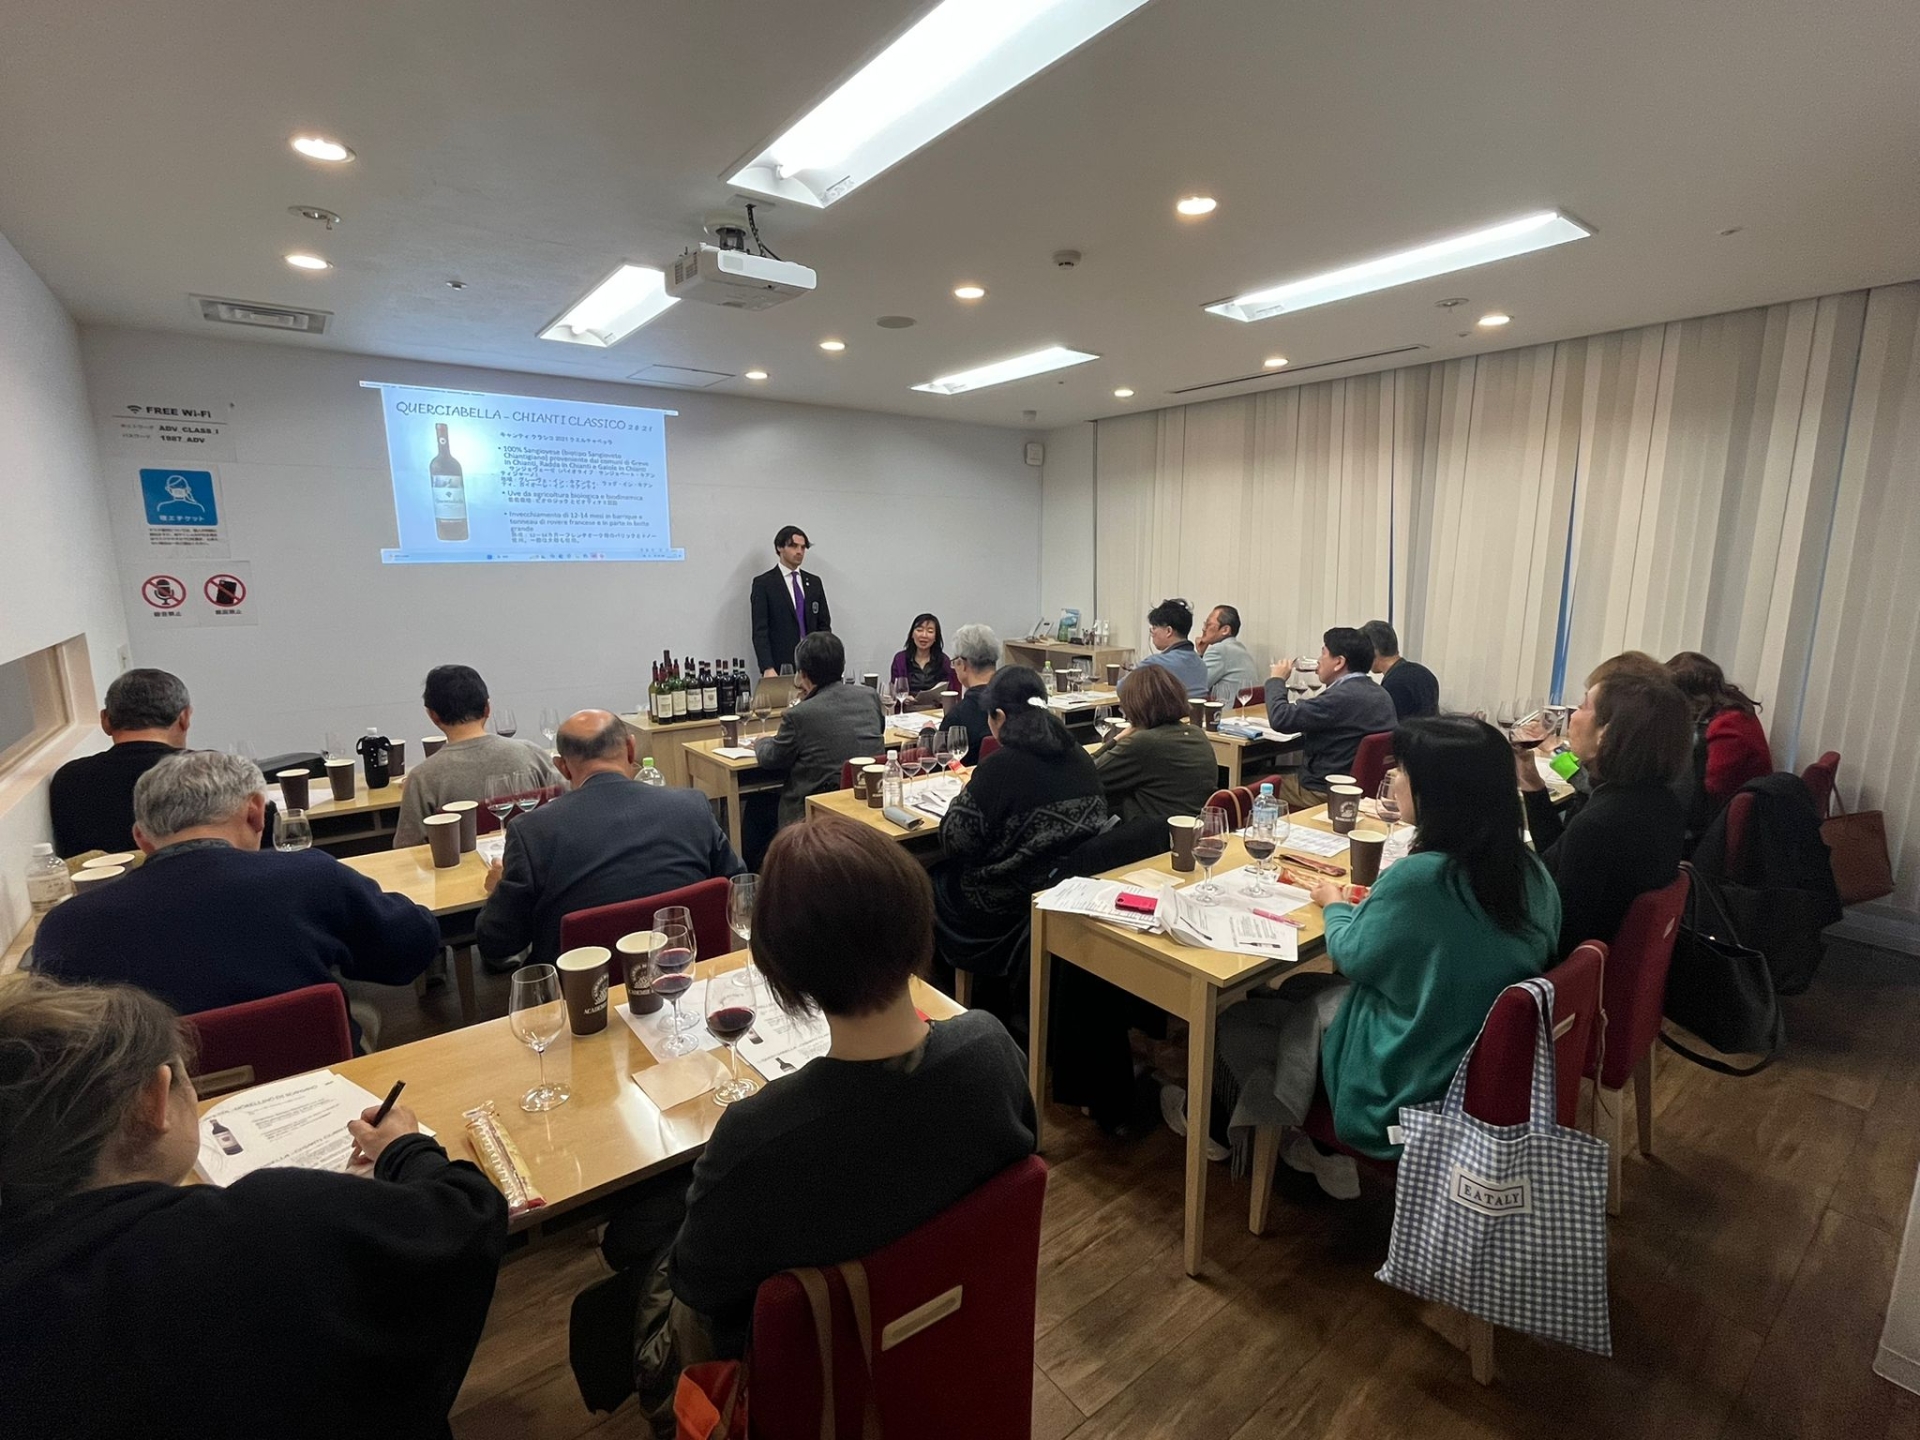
(1266, 809)
(893, 785)
(1051, 680)
(651, 776)
(48, 882)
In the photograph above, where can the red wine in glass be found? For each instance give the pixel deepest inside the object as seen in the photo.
(672, 986)
(1209, 849)
(730, 1022)
(1259, 849)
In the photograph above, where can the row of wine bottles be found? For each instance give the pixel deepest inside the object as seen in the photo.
(696, 690)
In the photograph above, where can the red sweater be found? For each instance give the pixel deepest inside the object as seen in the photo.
(1736, 753)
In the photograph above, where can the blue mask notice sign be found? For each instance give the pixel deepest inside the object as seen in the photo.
(183, 511)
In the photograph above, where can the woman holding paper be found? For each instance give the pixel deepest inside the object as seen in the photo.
(332, 1304)
(922, 661)
(1420, 961)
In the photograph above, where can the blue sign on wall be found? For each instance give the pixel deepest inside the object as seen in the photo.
(179, 497)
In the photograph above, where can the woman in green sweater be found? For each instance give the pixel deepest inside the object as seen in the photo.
(1160, 766)
(1421, 960)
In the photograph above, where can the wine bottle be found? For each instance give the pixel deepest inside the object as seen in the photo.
(653, 695)
(679, 692)
(449, 484)
(710, 692)
(723, 682)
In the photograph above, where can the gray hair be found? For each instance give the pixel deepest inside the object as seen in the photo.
(193, 788)
(602, 744)
(145, 700)
(978, 646)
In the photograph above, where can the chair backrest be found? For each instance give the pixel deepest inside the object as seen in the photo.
(485, 822)
(1821, 776)
(970, 1273)
(276, 1036)
(1500, 1079)
(1635, 992)
(604, 924)
(989, 744)
(1127, 843)
(1237, 802)
(1371, 760)
(1739, 826)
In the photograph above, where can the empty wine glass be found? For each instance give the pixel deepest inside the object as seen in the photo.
(732, 1002)
(673, 977)
(293, 831)
(549, 723)
(902, 691)
(943, 756)
(536, 1014)
(740, 894)
(504, 724)
(244, 750)
(499, 798)
(336, 745)
(526, 799)
(1208, 847)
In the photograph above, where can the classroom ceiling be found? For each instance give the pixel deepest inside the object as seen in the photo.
(524, 150)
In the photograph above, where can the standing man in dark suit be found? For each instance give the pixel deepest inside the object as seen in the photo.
(788, 603)
(825, 727)
(608, 839)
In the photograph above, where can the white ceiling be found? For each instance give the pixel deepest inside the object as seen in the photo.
(524, 149)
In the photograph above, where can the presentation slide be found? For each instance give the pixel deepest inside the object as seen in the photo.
(480, 477)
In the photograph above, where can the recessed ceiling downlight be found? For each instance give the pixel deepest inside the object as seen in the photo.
(323, 148)
(302, 261)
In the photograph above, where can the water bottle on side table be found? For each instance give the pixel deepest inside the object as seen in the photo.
(651, 776)
(48, 882)
(893, 785)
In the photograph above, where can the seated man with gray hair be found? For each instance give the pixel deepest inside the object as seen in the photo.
(976, 655)
(213, 920)
(608, 839)
(91, 798)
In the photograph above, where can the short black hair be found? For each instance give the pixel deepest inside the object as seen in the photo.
(1229, 619)
(1384, 641)
(823, 883)
(1350, 645)
(145, 700)
(820, 657)
(786, 533)
(1176, 615)
(455, 693)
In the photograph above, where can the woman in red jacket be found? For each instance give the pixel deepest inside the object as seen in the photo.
(1726, 728)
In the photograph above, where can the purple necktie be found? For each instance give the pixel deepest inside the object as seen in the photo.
(799, 606)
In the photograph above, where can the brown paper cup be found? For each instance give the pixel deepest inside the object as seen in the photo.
(1343, 807)
(1364, 849)
(1341, 780)
(583, 981)
(469, 813)
(1213, 709)
(876, 785)
(1197, 711)
(1182, 831)
(729, 729)
(293, 788)
(947, 701)
(396, 759)
(95, 878)
(430, 746)
(443, 836)
(340, 777)
(1113, 675)
(860, 764)
(872, 680)
(636, 960)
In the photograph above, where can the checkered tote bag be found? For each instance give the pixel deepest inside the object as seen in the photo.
(1506, 1222)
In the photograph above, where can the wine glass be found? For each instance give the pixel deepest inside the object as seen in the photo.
(740, 894)
(336, 745)
(1258, 838)
(1106, 722)
(527, 799)
(1387, 804)
(732, 1002)
(293, 831)
(902, 691)
(1504, 715)
(505, 725)
(499, 798)
(910, 762)
(244, 750)
(537, 1014)
(673, 977)
(943, 756)
(1208, 847)
(549, 723)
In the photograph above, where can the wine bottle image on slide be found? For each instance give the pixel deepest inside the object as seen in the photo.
(449, 492)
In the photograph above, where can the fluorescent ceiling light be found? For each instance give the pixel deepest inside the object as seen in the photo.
(958, 59)
(615, 308)
(1054, 357)
(1460, 252)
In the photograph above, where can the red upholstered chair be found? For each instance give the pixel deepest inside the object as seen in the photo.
(955, 1297)
(988, 745)
(268, 1039)
(1499, 1089)
(486, 822)
(1821, 777)
(1237, 802)
(604, 924)
(1634, 997)
(1371, 760)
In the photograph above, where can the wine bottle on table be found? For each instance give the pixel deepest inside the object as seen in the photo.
(449, 484)
(679, 692)
(710, 692)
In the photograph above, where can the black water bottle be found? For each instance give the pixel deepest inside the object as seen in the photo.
(374, 748)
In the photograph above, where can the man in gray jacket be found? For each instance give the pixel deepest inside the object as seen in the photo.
(826, 726)
(608, 839)
(1331, 723)
(1230, 668)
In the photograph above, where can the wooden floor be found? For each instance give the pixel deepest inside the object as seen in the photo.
(1749, 1274)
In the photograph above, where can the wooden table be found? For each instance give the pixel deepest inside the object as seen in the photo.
(16, 950)
(608, 1136)
(666, 743)
(1038, 654)
(725, 779)
(1192, 983)
(924, 842)
(411, 872)
(1233, 751)
(369, 815)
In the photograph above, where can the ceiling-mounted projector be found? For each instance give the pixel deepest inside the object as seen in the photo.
(736, 279)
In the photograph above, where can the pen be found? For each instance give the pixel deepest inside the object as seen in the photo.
(1319, 867)
(1278, 919)
(387, 1104)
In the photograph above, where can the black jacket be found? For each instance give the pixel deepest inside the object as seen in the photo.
(348, 1305)
(1607, 850)
(91, 798)
(608, 839)
(775, 630)
(1780, 891)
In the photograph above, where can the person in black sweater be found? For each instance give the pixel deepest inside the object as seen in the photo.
(1413, 688)
(211, 920)
(352, 1305)
(1632, 734)
(90, 800)
(976, 656)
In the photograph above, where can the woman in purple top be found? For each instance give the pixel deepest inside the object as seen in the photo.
(923, 663)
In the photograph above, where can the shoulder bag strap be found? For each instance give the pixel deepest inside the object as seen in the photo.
(821, 1303)
(1543, 1111)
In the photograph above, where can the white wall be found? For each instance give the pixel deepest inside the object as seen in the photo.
(1066, 522)
(905, 515)
(59, 550)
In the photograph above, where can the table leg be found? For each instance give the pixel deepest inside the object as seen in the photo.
(1040, 986)
(1200, 1027)
(732, 802)
(463, 981)
(1234, 752)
